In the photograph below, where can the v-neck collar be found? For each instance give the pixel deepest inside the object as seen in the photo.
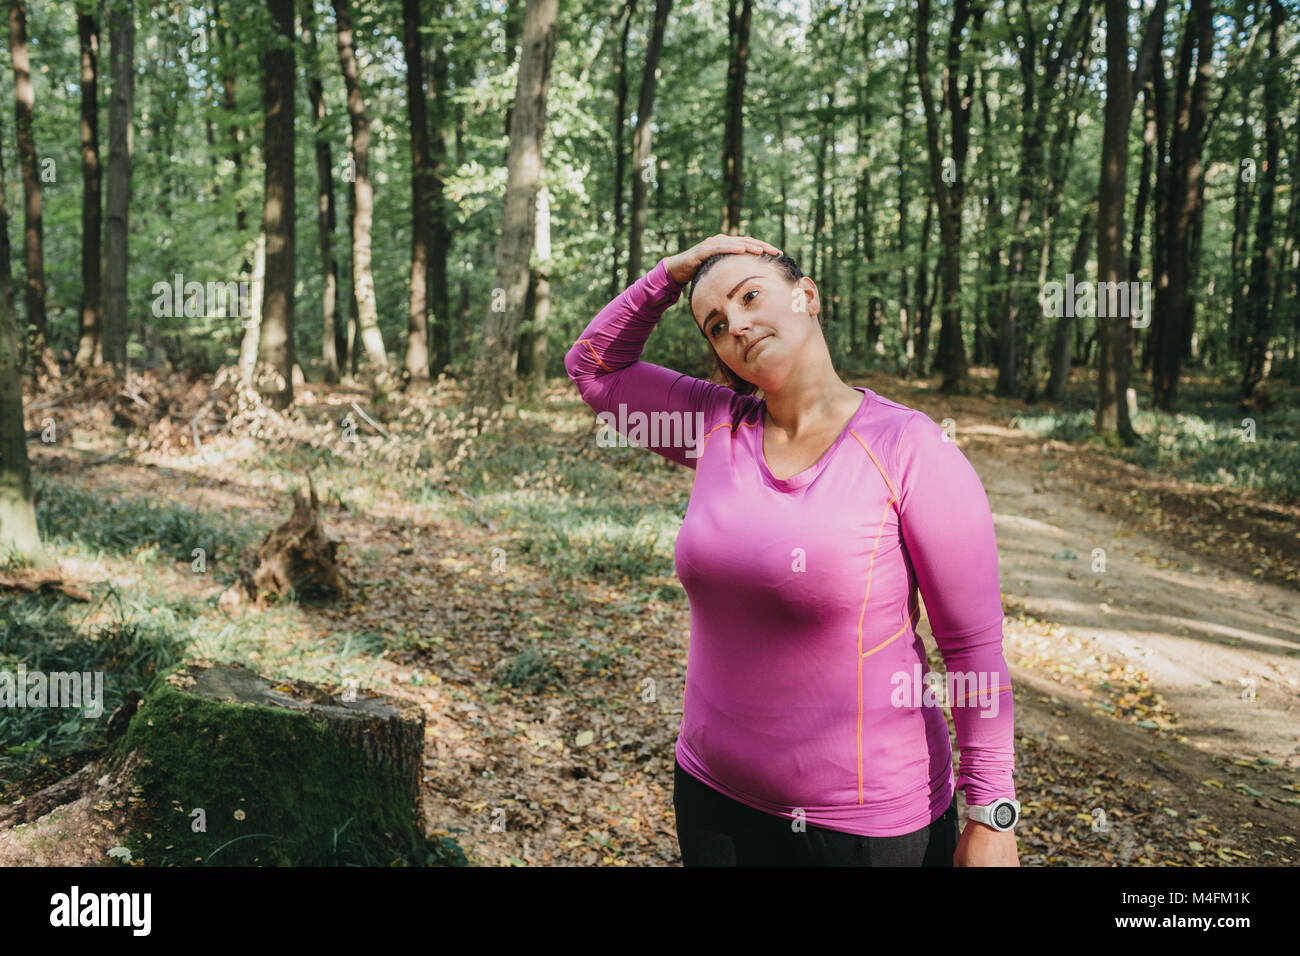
(805, 477)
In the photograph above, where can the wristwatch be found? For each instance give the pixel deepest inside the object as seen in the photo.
(1001, 814)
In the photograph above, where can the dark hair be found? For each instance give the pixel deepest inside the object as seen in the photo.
(723, 375)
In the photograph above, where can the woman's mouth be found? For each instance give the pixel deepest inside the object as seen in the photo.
(752, 346)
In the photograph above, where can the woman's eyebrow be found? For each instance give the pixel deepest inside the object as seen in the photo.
(713, 312)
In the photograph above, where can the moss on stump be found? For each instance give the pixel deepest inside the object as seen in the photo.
(285, 774)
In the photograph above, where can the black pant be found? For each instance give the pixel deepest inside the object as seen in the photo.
(714, 830)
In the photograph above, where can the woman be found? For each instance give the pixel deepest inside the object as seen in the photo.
(817, 513)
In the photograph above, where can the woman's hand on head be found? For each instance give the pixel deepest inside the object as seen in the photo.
(682, 266)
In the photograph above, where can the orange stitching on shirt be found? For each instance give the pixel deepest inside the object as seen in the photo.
(996, 690)
(587, 343)
(705, 443)
(861, 614)
(908, 623)
(892, 489)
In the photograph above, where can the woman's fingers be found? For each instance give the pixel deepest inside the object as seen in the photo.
(723, 243)
(763, 246)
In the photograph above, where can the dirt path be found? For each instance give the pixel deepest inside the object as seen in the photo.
(1223, 649)
(1173, 675)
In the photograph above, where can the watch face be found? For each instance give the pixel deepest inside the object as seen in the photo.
(1004, 815)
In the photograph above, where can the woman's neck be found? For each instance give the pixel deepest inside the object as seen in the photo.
(800, 408)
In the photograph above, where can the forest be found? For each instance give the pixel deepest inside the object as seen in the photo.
(329, 255)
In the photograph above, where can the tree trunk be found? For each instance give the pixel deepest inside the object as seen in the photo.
(19, 535)
(1015, 336)
(89, 347)
(1060, 375)
(995, 300)
(952, 350)
(1112, 330)
(276, 348)
(417, 340)
(1173, 317)
(816, 266)
(354, 311)
(1160, 218)
(250, 345)
(33, 227)
(331, 327)
(733, 150)
(233, 132)
(620, 154)
(924, 311)
(1144, 188)
(1286, 295)
(117, 204)
(1259, 353)
(495, 363)
(781, 176)
(440, 238)
(641, 141)
(363, 281)
(1058, 169)
(541, 307)
(907, 346)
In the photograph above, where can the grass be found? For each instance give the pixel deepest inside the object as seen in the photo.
(1218, 447)
(79, 519)
(43, 633)
(531, 669)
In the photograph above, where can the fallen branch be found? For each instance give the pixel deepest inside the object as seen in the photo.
(34, 579)
(102, 459)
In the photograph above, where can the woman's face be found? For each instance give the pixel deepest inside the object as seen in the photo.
(755, 319)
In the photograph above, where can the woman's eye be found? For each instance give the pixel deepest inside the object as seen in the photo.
(749, 293)
(716, 327)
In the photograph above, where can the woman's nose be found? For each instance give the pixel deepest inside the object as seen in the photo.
(738, 324)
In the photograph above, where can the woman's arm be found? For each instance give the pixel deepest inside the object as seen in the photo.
(604, 364)
(947, 528)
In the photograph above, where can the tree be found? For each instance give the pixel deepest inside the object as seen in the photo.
(641, 140)
(1259, 356)
(19, 534)
(121, 105)
(363, 281)
(733, 149)
(952, 350)
(417, 341)
(276, 348)
(1112, 409)
(1060, 357)
(620, 154)
(1113, 331)
(497, 358)
(1035, 108)
(333, 335)
(1172, 319)
(440, 240)
(90, 348)
(228, 42)
(33, 227)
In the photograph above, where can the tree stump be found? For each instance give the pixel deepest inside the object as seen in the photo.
(238, 769)
(298, 556)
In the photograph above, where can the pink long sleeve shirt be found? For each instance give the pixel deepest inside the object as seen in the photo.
(807, 693)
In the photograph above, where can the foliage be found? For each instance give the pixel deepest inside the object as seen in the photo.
(70, 514)
(1215, 450)
(43, 633)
